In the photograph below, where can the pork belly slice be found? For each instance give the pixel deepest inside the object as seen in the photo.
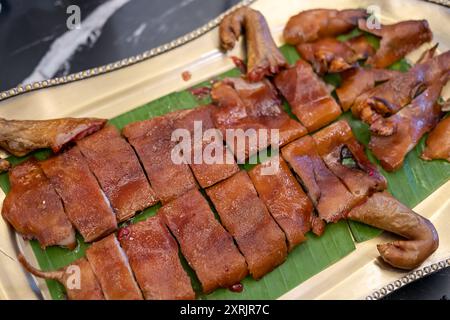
(308, 96)
(117, 168)
(250, 107)
(438, 142)
(84, 202)
(246, 218)
(153, 257)
(310, 25)
(86, 287)
(329, 195)
(34, 209)
(331, 55)
(390, 97)
(356, 81)
(346, 158)
(110, 265)
(397, 40)
(383, 211)
(20, 137)
(285, 199)
(206, 173)
(410, 124)
(205, 244)
(152, 141)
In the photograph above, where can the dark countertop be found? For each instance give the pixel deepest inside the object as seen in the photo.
(29, 28)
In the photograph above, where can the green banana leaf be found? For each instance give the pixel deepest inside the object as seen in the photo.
(411, 184)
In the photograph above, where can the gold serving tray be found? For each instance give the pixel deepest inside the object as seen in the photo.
(111, 90)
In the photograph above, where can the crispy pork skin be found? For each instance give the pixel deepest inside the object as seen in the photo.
(438, 142)
(152, 141)
(285, 199)
(397, 40)
(20, 137)
(206, 245)
(249, 107)
(329, 195)
(206, 173)
(34, 208)
(308, 96)
(117, 168)
(153, 257)
(264, 58)
(383, 211)
(112, 269)
(356, 81)
(310, 25)
(347, 159)
(86, 287)
(410, 124)
(84, 202)
(244, 215)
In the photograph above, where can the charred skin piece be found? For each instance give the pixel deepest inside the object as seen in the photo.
(358, 80)
(391, 96)
(438, 142)
(117, 168)
(397, 40)
(383, 211)
(4, 165)
(331, 55)
(206, 174)
(205, 244)
(20, 137)
(329, 195)
(410, 124)
(264, 58)
(111, 267)
(34, 209)
(308, 96)
(285, 199)
(244, 215)
(346, 158)
(310, 25)
(89, 287)
(152, 141)
(153, 257)
(84, 202)
(250, 107)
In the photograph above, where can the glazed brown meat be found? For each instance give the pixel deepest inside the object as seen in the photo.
(346, 158)
(84, 202)
(329, 195)
(152, 141)
(111, 267)
(244, 215)
(88, 287)
(117, 168)
(391, 96)
(383, 211)
(285, 199)
(310, 25)
(356, 81)
(264, 58)
(205, 172)
(34, 209)
(249, 107)
(20, 137)
(331, 55)
(438, 142)
(153, 257)
(397, 40)
(410, 124)
(205, 244)
(308, 96)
